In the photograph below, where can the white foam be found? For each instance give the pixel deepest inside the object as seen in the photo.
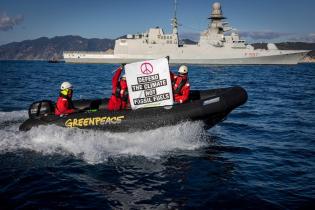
(98, 146)
(13, 116)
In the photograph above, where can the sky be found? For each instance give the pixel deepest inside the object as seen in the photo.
(255, 20)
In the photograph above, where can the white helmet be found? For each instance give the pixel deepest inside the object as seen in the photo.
(66, 85)
(183, 69)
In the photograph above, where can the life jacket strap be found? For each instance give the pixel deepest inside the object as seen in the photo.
(180, 86)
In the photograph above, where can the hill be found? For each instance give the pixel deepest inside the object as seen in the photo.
(46, 48)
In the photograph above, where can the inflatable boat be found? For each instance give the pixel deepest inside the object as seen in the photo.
(209, 106)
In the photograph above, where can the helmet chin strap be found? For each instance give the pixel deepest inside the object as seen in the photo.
(69, 94)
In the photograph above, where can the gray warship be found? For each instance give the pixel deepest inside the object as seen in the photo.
(218, 44)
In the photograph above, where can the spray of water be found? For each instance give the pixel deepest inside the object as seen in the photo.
(6, 117)
(97, 146)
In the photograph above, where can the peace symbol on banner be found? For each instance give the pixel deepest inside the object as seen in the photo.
(146, 68)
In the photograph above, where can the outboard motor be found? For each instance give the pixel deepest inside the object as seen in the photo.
(41, 108)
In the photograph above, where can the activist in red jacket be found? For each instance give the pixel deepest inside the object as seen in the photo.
(181, 87)
(64, 103)
(119, 97)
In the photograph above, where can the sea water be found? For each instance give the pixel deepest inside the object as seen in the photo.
(261, 157)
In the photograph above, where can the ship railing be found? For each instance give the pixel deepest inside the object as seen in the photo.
(84, 52)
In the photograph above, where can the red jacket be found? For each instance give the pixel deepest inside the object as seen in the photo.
(115, 101)
(181, 88)
(63, 106)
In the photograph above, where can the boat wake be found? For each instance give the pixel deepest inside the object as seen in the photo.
(97, 146)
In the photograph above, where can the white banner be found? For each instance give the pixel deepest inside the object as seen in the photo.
(149, 83)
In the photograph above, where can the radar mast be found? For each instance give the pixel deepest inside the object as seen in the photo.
(174, 20)
(216, 18)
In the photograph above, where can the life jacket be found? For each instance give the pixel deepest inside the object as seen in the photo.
(180, 85)
(64, 105)
(181, 89)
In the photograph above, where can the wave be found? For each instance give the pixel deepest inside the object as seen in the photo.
(13, 116)
(97, 146)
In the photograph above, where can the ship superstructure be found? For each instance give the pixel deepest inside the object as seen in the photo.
(218, 44)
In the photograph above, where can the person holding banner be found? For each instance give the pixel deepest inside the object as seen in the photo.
(181, 86)
(119, 97)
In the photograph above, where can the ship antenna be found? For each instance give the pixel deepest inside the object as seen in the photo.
(174, 20)
(175, 8)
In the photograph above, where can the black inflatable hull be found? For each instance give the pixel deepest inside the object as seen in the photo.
(209, 106)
